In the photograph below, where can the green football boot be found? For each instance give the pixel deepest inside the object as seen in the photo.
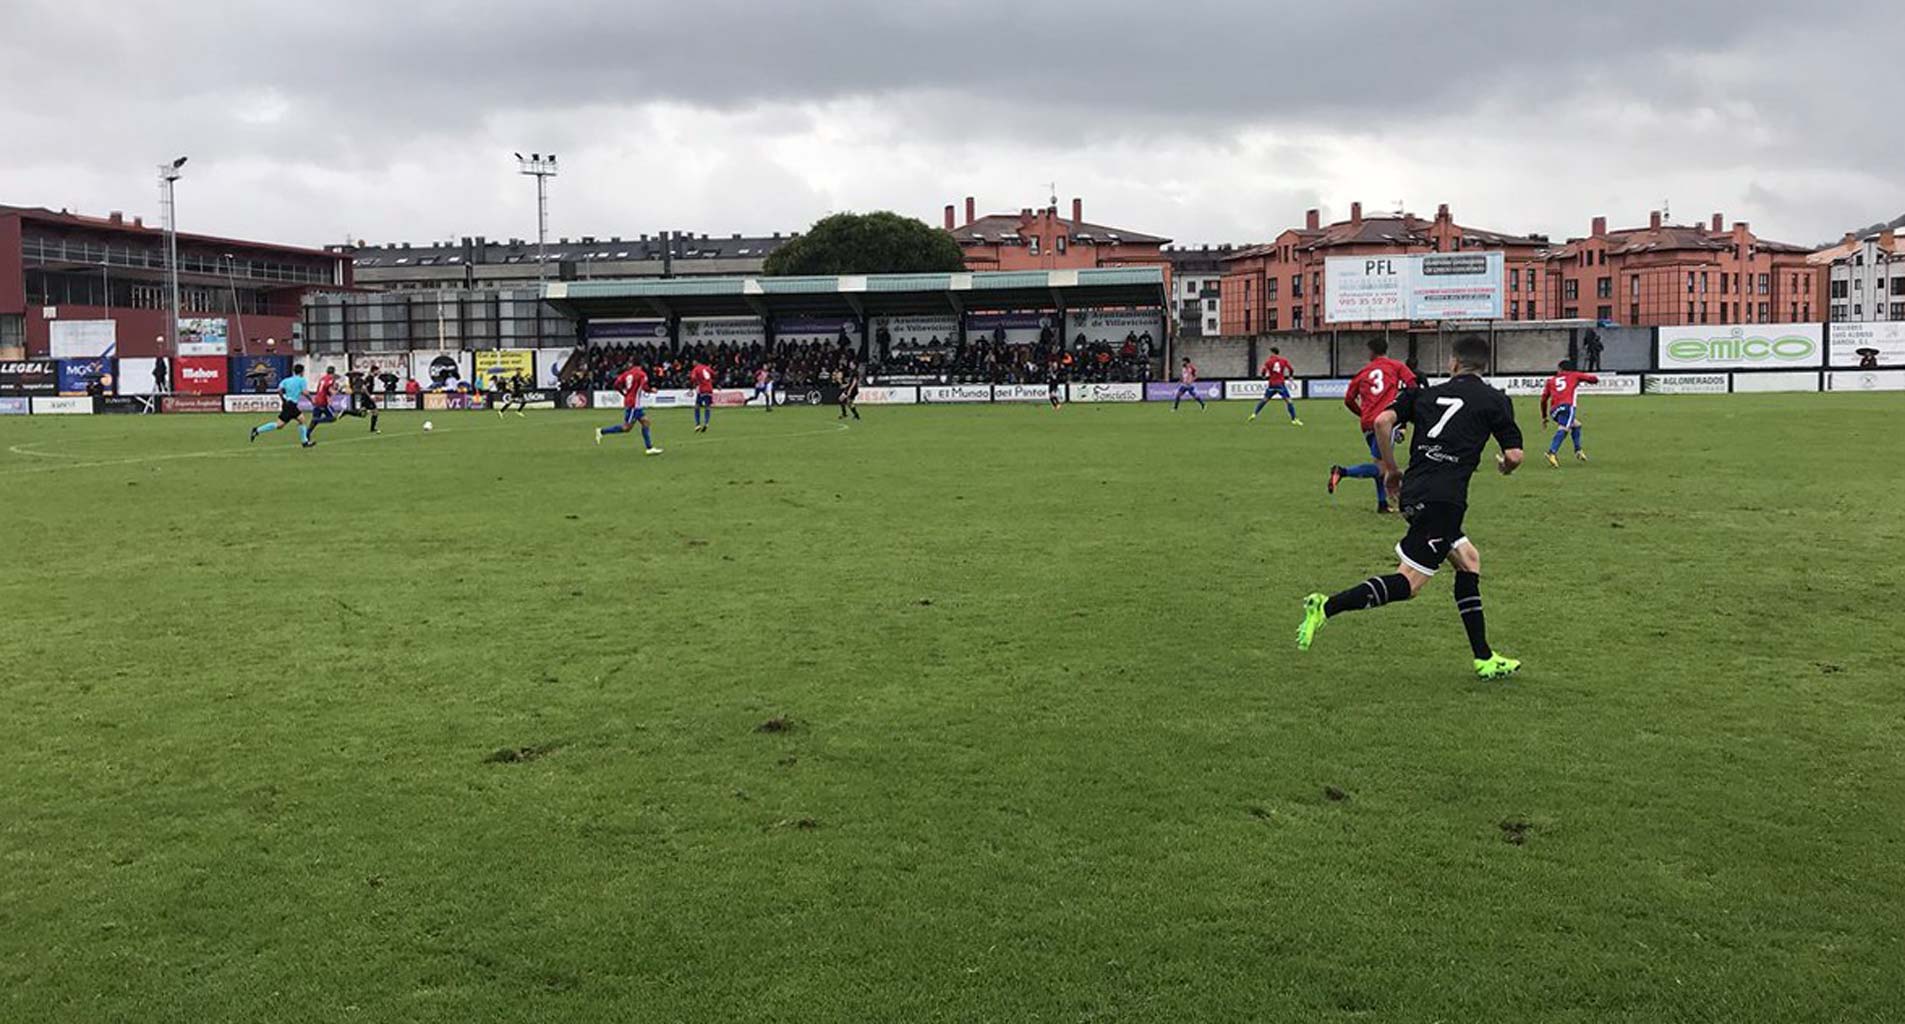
(1496, 667)
(1313, 619)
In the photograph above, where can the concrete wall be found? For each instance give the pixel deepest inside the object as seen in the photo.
(1518, 350)
(1215, 357)
(1309, 353)
(1627, 348)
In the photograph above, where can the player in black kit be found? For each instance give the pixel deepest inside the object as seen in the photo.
(850, 390)
(1452, 423)
(1054, 383)
(363, 396)
(517, 384)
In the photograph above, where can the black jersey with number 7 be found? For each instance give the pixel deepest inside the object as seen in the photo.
(1450, 424)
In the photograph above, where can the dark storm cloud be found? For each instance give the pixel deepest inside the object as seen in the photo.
(358, 87)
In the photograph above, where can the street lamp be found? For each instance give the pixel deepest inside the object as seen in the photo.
(169, 173)
(231, 278)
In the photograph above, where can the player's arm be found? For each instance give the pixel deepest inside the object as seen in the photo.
(1353, 397)
(1386, 452)
(1406, 375)
(1547, 396)
(1588, 378)
(1508, 435)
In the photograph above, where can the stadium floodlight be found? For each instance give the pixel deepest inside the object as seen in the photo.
(542, 169)
(168, 174)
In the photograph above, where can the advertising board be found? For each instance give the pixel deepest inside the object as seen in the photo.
(1166, 391)
(201, 375)
(1838, 380)
(1686, 384)
(1867, 346)
(939, 393)
(1107, 392)
(1742, 347)
(61, 405)
(1433, 286)
(1763, 383)
(888, 395)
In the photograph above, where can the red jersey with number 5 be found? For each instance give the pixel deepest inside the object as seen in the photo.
(631, 384)
(1560, 389)
(1375, 388)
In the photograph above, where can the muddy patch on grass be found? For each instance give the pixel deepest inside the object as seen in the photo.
(518, 755)
(797, 824)
(1334, 794)
(1516, 831)
(779, 723)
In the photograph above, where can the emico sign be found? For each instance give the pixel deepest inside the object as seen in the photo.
(1747, 346)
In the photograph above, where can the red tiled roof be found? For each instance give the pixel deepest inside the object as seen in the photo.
(990, 227)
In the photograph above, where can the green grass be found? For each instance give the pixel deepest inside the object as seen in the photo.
(1053, 754)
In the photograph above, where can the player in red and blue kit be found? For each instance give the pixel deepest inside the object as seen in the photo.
(632, 383)
(702, 377)
(1187, 385)
(1277, 372)
(321, 411)
(1559, 401)
(1372, 390)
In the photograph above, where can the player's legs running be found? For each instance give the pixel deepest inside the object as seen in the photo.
(287, 415)
(320, 415)
(630, 417)
(704, 412)
(1368, 470)
(1421, 553)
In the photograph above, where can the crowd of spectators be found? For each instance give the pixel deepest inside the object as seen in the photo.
(795, 364)
(994, 359)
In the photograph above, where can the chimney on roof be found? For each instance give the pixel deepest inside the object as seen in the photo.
(1719, 223)
(117, 217)
(1025, 213)
(1356, 214)
(1653, 220)
(138, 222)
(1313, 219)
(1740, 230)
(949, 216)
(1078, 210)
(1600, 227)
(971, 210)
(1442, 212)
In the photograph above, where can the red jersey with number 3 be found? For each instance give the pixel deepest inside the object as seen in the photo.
(702, 377)
(1375, 388)
(631, 384)
(1276, 370)
(1561, 388)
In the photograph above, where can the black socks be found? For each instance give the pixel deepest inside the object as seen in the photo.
(1373, 592)
(1468, 601)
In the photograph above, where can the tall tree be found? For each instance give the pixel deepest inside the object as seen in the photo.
(867, 243)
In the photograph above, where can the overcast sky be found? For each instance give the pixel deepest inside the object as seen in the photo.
(1200, 120)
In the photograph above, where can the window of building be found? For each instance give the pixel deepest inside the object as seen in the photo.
(1723, 278)
(1858, 284)
(1031, 242)
(1514, 281)
(1531, 280)
(1633, 284)
(1762, 312)
(1270, 320)
(1210, 305)
(1270, 289)
(1061, 245)
(1570, 290)
(1633, 314)
(1190, 287)
(1766, 284)
(1569, 312)
(1246, 321)
(1898, 286)
(1898, 311)
(1296, 319)
(1514, 310)
(1689, 282)
(1858, 309)
(1600, 257)
(1604, 313)
(1604, 288)
(1296, 286)
(1533, 312)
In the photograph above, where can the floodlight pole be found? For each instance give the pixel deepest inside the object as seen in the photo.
(168, 174)
(542, 168)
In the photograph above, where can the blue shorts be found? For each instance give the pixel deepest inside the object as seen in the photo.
(1276, 391)
(1187, 389)
(704, 398)
(322, 414)
(633, 413)
(1563, 416)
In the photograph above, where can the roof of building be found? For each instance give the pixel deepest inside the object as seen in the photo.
(1201, 257)
(856, 294)
(1004, 227)
(1404, 230)
(136, 226)
(684, 246)
(1674, 238)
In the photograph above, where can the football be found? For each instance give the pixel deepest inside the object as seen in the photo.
(427, 426)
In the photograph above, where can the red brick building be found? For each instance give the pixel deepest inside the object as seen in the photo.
(1279, 286)
(1043, 240)
(1671, 274)
(64, 266)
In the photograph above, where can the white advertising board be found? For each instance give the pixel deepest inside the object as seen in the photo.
(1742, 347)
(1432, 286)
(1838, 380)
(549, 362)
(83, 339)
(1610, 384)
(956, 393)
(1251, 390)
(433, 369)
(906, 333)
(1860, 345)
(53, 405)
(1686, 383)
(1769, 382)
(252, 403)
(1113, 327)
(1020, 393)
(1107, 392)
(733, 331)
(888, 395)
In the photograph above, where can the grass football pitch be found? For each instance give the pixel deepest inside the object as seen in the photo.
(957, 714)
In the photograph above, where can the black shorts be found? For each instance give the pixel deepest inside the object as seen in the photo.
(365, 401)
(288, 412)
(1435, 529)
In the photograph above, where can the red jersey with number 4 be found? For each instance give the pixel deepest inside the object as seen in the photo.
(1276, 370)
(631, 384)
(1375, 388)
(1561, 388)
(702, 377)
